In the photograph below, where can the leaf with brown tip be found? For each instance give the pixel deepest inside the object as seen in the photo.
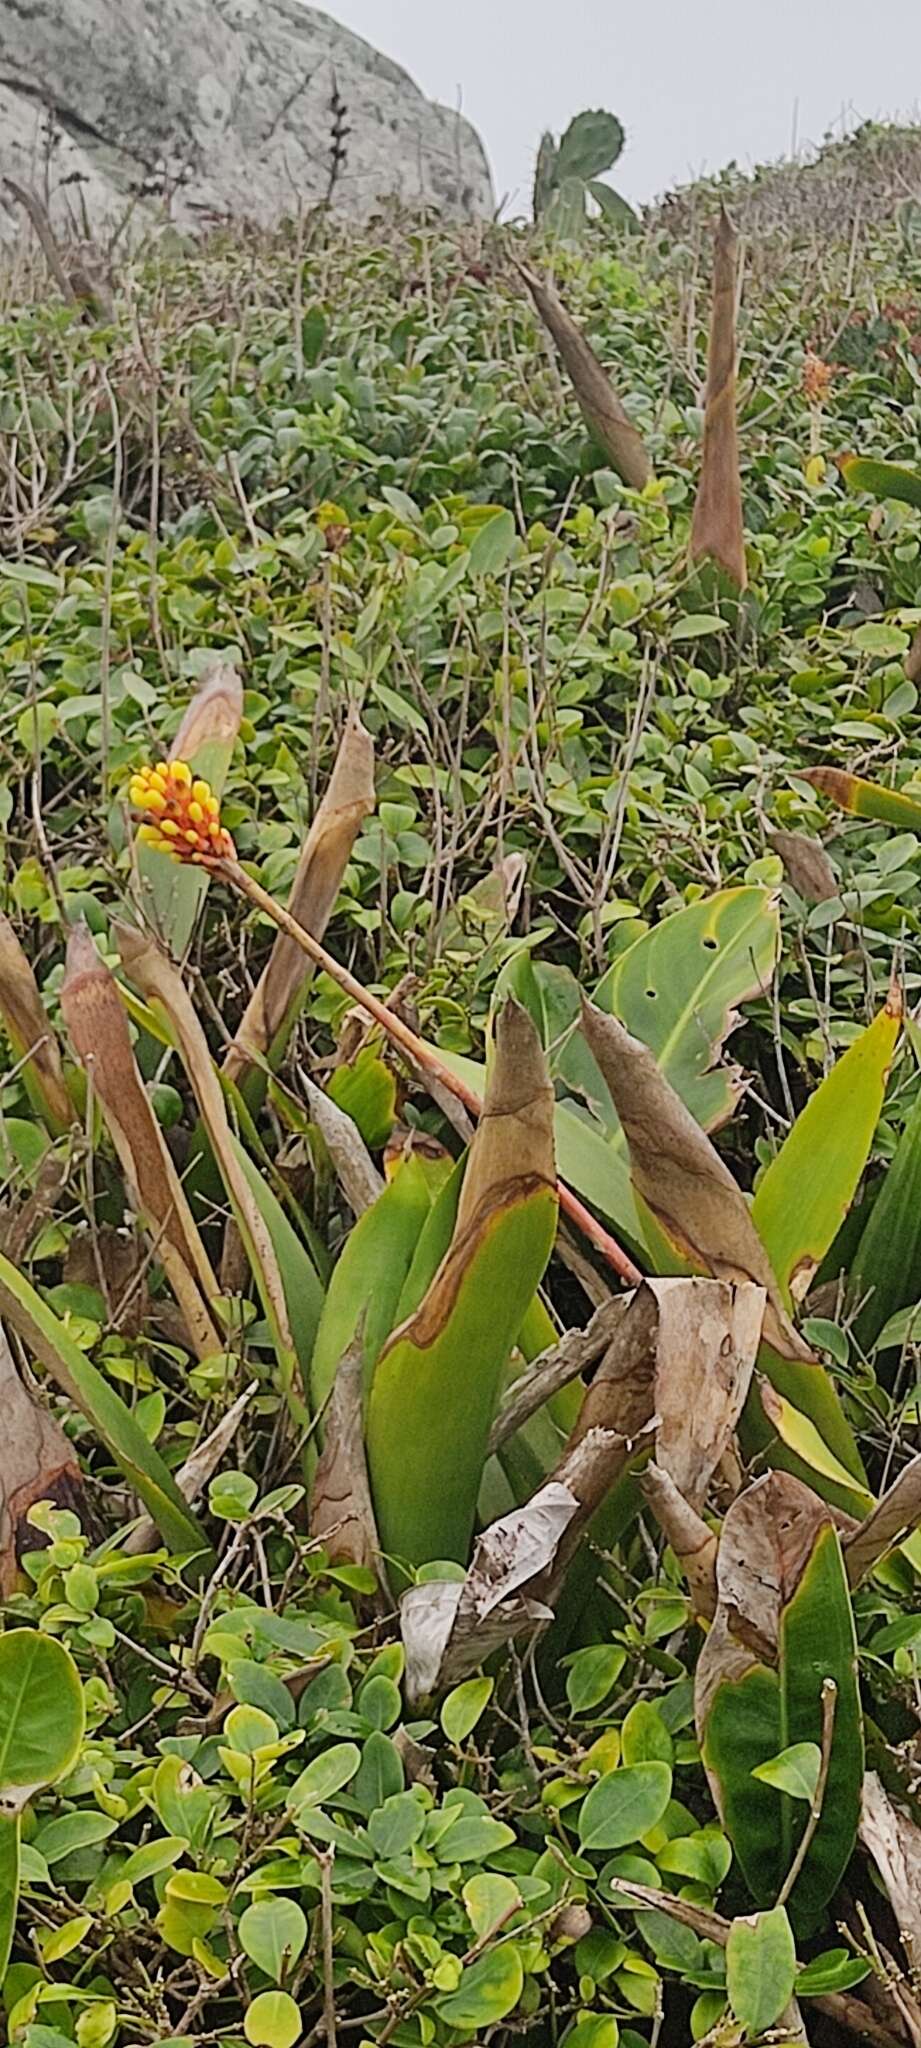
(436, 1385)
(688, 1190)
(603, 412)
(32, 1040)
(274, 1004)
(717, 532)
(98, 1030)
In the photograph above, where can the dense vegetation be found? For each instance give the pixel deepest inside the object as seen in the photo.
(350, 468)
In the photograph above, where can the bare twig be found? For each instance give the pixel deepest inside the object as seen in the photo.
(829, 1703)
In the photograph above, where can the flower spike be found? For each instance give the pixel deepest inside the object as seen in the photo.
(182, 816)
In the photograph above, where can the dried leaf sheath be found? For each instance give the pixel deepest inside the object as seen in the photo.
(274, 1003)
(603, 412)
(716, 527)
(98, 1029)
(681, 1178)
(162, 986)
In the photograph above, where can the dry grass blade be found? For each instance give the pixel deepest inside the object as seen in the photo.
(557, 1368)
(30, 1035)
(37, 1463)
(162, 986)
(681, 1178)
(98, 1030)
(601, 407)
(716, 527)
(276, 999)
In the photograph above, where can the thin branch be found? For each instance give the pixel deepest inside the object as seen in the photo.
(829, 1703)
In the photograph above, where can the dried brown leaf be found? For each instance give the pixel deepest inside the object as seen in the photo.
(766, 1541)
(706, 1346)
(274, 1003)
(893, 1840)
(98, 1030)
(37, 1462)
(214, 714)
(693, 1541)
(341, 1508)
(601, 407)
(29, 1032)
(681, 1177)
(806, 865)
(894, 1516)
(717, 532)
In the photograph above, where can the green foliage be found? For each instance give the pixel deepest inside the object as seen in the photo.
(429, 536)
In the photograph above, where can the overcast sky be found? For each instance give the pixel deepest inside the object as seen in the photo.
(695, 82)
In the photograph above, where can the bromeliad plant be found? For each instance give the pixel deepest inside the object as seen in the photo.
(455, 1455)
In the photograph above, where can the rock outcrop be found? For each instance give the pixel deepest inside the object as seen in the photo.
(222, 110)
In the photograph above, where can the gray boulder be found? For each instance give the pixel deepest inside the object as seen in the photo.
(221, 109)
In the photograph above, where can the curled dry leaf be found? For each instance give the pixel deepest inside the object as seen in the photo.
(681, 1343)
(37, 1462)
(450, 1626)
(603, 412)
(341, 1508)
(98, 1030)
(31, 1037)
(806, 865)
(681, 1178)
(893, 1840)
(276, 999)
(717, 532)
(894, 1517)
(355, 1169)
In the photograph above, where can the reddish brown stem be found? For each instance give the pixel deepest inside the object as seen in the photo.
(400, 1034)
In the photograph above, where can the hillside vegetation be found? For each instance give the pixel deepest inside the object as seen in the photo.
(292, 1750)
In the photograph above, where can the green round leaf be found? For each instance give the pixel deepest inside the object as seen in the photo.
(41, 1710)
(795, 1770)
(593, 2030)
(644, 1736)
(591, 1674)
(488, 1990)
(272, 2021)
(463, 1707)
(489, 1898)
(272, 1934)
(325, 1776)
(760, 1968)
(624, 1805)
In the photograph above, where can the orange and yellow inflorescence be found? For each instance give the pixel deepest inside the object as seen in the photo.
(182, 816)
